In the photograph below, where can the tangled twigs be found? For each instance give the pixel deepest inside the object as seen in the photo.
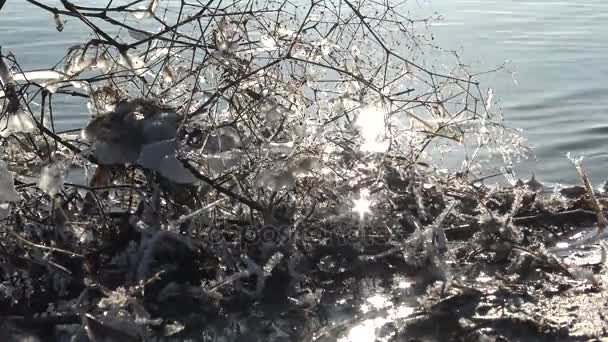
(601, 220)
(47, 248)
(251, 204)
(291, 116)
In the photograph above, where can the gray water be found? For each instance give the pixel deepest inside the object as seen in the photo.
(558, 93)
(556, 90)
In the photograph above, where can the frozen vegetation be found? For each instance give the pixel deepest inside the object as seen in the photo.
(280, 172)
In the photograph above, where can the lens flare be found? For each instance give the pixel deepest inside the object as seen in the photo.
(362, 205)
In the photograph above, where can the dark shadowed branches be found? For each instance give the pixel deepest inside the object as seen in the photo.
(206, 122)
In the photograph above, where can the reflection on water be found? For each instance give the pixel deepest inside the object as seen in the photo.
(557, 91)
(369, 329)
(582, 242)
(376, 318)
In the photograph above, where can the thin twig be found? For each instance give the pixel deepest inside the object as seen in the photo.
(52, 249)
(601, 220)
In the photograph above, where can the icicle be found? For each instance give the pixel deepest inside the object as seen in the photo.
(168, 74)
(39, 75)
(51, 87)
(153, 5)
(489, 99)
(76, 62)
(145, 12)
(103, 63)
(195, 213)
(73, 59)
(509, 176)
(81, 85)
(58, 22)
(5, 74)
(141, 13)
(20, 122)
(133, 63)
(439, 238)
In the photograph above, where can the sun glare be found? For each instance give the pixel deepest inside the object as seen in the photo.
(371, 329)
(373, 128)
(362, 205)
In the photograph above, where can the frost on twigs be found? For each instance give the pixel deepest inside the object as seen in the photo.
(52, 178)
(146, 11)
(261, 160)
(20, 122)
(59, 23)
(5, 73)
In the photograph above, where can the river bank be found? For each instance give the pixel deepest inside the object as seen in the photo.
(476, 271)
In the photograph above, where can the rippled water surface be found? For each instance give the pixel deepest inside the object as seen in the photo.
(557, 91)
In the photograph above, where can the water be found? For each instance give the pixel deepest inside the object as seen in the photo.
(29, 33)
(557, 92)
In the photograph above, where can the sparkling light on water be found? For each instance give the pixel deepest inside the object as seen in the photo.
(368, 329)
